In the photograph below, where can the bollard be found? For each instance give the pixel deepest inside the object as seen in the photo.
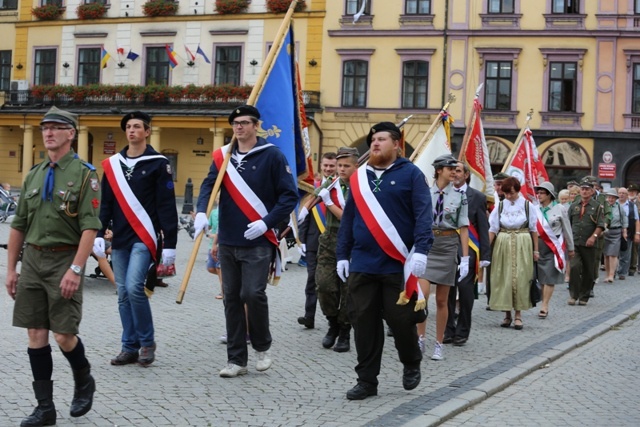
(187, 206)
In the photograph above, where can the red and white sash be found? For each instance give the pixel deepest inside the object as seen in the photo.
(556, 244)
(383, 231)
(243, 196)
(133, 210)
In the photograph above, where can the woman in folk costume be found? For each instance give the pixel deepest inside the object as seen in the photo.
(451, 233)
(513, 227)
(613, 234)
(557, 217)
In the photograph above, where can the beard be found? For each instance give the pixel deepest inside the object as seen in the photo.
(381, 160)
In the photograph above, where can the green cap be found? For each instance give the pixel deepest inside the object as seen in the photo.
(56, 115)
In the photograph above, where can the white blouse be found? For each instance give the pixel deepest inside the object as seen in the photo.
(513, 216)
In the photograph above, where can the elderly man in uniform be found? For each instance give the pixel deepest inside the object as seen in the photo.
(57, 218)
(587, 222)
(633, 190)
(600, 198)
(259, 193)
(139, 198)
(386, 224)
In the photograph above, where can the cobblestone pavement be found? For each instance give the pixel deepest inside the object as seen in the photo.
(594, 385)
(307, 384)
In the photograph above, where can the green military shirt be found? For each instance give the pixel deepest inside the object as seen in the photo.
(75, 206)
(455, 211)
(333, 223)
(585, 226)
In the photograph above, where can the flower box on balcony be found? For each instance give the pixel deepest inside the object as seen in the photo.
(160, 8)
(48, 12)
(91, 11)
(227, 7)
(281, 6)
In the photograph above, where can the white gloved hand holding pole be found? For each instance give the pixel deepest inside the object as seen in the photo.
(98, 247)
(418, 264)
(463, 267)
(326, 197)
(200, 224)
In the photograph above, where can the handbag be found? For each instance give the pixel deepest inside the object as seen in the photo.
(534, 290)
(624, 244)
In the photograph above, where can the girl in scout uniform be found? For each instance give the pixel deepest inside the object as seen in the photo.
(450, 230)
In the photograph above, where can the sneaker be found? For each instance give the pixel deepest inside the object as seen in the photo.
(264, 361)
(147, 355)
(422, 343)
(232, 370)
(223, 339)
(437, 352)
(125, 358)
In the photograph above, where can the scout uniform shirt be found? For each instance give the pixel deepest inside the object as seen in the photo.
(74, 206)
(584, 223)
(454, 208)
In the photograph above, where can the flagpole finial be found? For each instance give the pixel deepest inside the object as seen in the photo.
(451, 98)
(530, 114)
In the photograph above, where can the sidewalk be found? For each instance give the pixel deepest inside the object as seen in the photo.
(307, 384)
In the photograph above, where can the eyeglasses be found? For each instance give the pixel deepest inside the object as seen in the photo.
(242, 123)
(54, 128)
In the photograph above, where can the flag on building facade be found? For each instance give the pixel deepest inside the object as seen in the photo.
(190, 55)
(201, 52)
(104, 57)
(173, 61)
(475, 155)
(279, 109)
(132, 56)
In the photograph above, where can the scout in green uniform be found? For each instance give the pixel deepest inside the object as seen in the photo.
(57, 219)
(588, 223)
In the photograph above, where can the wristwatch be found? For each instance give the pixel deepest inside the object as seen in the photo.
(76, 269)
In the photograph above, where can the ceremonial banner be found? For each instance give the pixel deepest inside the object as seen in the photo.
(475, 155)
(437, 145)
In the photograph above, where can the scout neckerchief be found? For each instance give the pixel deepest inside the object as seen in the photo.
(248, 201)
(385, 233)
(133, 210)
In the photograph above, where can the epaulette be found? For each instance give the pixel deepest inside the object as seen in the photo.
(88, 165)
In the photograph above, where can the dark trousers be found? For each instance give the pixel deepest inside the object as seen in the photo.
(244, 278)
(599, 248)
(466, 298)
(634, 256)
(373, 297)
(582, 272)
(311, 299)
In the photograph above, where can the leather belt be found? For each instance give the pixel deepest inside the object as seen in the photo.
(447, 232)
(62, 248)
(615, 228)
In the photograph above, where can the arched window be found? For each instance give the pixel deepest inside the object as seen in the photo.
(498, 153)
(566, 161)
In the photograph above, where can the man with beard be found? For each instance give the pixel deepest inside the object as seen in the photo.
(458, 332)
(386, 224)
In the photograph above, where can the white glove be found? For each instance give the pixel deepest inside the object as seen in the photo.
(255, 230)
(302, 249)
(302, 214)
(343, 269)
(326, 197)
(484, 264)
(418, 264)
(168, 256)
(98, 247)
(200, 224)
(464, 267)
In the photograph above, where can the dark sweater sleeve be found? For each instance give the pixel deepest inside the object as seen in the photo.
(166, 206)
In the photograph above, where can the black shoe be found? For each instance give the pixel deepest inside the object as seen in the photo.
(85, 386)
(411, 378)
(362, 391)
(332, 334)
(147, 355)
(306, 322)
(460, 341)
(447, 340)
(45, 413)
(389, 332)
(343, 344)
(125, 358)
(631, 273)
(591, 294)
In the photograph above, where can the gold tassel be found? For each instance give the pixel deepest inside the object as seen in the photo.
(403, 300)
(421, 304)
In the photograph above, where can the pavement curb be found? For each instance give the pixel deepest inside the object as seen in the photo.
(477, 394)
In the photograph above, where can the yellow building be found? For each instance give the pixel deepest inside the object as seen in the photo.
(68, 51)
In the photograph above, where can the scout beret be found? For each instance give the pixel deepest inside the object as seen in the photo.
(445, 160)
(244, 110)
(383, 127)
(56, 115)
(146, 119)
(500, 176)
(347, 152)
(548, 186)
(633, 187)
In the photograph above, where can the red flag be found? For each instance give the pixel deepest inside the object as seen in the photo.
(527, 166)
(476, 155)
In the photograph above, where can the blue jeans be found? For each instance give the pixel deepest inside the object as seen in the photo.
(130, 268)
(244, 279)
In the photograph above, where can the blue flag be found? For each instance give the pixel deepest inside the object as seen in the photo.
(132, 56)
(278, 107)
(201, 52)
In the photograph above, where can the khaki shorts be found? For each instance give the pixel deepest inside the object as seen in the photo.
(39, 304)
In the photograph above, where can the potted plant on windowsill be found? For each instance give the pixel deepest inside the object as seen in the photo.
(91, 11)
(160, 8)
(48, 12)
(281, 6)
(227, 7)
